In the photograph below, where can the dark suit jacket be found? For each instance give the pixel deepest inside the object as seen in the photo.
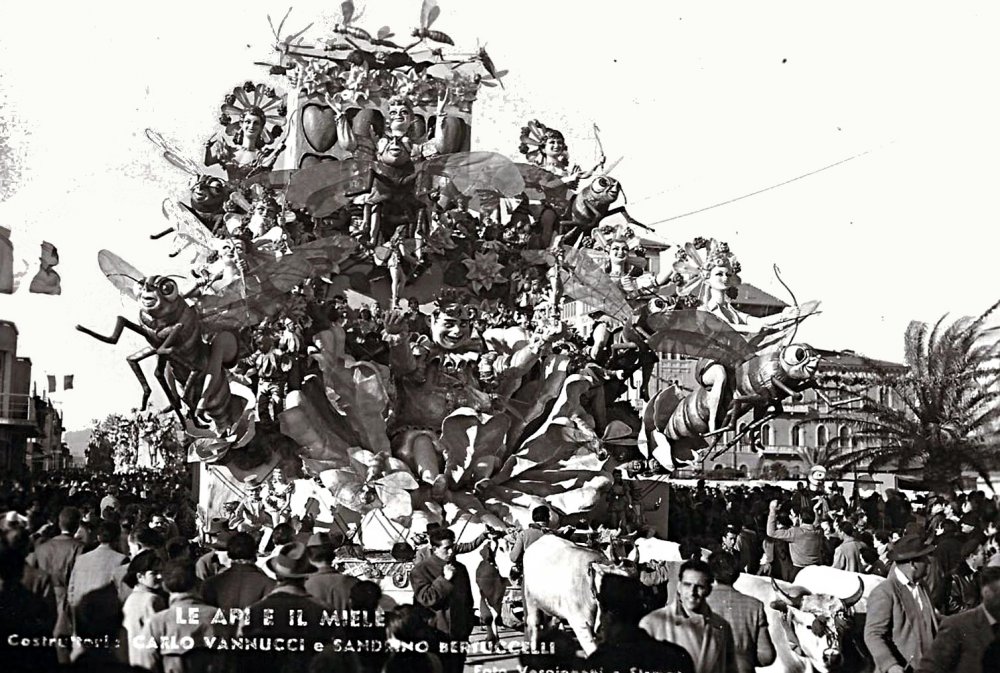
(746, 616)
(894, 630)
(238, 587)
(960, 644)
(282, 600)
(56, 558)
(331, 589)
(451, 601)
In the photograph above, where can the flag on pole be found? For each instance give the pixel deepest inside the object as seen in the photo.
(52, 383)
(68, 382)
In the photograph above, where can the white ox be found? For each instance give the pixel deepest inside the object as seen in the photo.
(654, 549)
(839, 583)
(562, 579)
(821, 624)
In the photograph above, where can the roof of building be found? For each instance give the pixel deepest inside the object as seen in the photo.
(848, 360)
(751, 295)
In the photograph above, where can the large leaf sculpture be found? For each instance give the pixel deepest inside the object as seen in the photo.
(358, 391)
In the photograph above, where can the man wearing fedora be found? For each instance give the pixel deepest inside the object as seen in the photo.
(269, 617)
(901, 622)
(243, 583)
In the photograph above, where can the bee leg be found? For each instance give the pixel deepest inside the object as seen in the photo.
(714, 379)
(133, 362)
(121, 324)
(169, 389)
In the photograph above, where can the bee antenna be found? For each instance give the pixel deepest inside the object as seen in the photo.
(136, 280)
(795, 302)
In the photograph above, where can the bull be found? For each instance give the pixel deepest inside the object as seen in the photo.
(810, 631)
(839, 583)
(563, 579)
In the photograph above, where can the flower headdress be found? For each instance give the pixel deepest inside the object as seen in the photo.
(607, 235)
(533, 137)
(454, 305)
(257, 98)
(695, 262)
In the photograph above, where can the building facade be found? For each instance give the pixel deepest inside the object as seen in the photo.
(29, 425)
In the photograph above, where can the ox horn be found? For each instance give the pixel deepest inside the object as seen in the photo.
(851, 600)
(796, 601)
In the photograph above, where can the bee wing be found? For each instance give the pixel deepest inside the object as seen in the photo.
(429, 13)
(471, 171)
(325, 188)
(543, 185)
(347, 11)
(384, 33)
(122, 275)
(261, 291)
(172, 154)
(772, 335)
(187, 225)
(698, 334)
(588, 283)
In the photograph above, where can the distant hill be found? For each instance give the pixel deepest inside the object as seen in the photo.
(77, 441)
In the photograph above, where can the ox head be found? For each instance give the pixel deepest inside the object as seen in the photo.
(817, 623)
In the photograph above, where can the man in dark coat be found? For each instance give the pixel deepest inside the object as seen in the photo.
(57, 557)
(291, 566)
(441, 584)
(901, 623)
(960, 645)
(243, 583)
(327, 586)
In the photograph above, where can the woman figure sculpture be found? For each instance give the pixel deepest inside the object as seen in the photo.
(546, 148)
(253, 116)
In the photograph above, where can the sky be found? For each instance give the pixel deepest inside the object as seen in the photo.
(706, 102)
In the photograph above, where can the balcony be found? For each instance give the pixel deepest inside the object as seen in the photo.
(17, 409)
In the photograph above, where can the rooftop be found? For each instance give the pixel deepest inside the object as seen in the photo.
(848, 360)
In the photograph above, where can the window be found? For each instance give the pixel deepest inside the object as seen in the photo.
(821, 436)
(796, 435)
(765, 434)
(743, 470)
(844, 437)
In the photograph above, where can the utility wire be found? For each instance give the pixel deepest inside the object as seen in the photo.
(761, 191)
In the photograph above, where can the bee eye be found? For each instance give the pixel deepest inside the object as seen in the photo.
(602, 183)
(795, 355)
(167, 287)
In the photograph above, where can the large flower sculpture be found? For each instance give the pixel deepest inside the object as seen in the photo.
(483, 271)
(539, 447)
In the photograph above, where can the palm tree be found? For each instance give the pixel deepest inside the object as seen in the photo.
(946, 424)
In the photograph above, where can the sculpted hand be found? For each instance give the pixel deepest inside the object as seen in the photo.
(395, 322)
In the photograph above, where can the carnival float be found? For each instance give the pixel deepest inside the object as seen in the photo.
(373, 332)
